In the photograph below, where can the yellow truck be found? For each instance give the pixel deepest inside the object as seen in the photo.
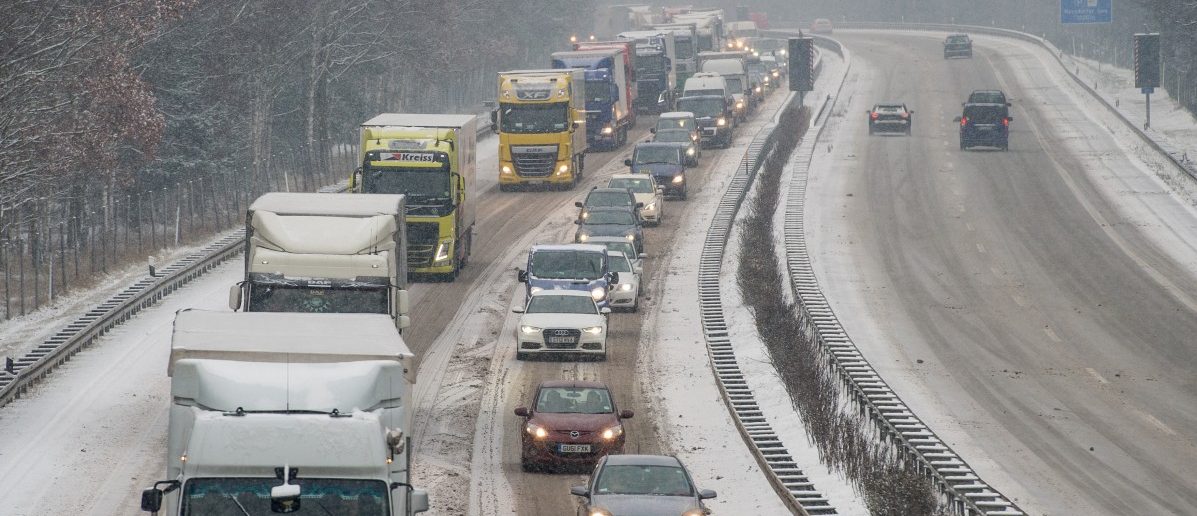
(541, 121)
(431, 160)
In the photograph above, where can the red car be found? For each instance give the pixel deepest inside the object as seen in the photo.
(570, 423)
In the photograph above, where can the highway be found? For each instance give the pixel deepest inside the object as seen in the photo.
(1037, 307)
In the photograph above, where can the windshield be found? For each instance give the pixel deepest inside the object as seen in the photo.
(734, 85)
(551, 304)
(566, 265)
(599, 92)
(643, 480)
(957, 39)
(619, 263)
(636, 185)
(702, 107)
(611, 217)
(665, 124)
(342, 300)
(673, 136)
(662, 154)
(987, 97)
(534, 118)
(322, 496)
(685, 48)
(423, 185)
(574, 400)
(620, 199)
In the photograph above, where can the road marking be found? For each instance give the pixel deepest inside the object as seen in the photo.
(1155, 422)
(969, 226)
(996, 271)
(1051, 334)
(980, 248)
(1093, 372)
(1018, 300)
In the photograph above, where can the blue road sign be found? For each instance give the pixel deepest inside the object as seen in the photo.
(1148, 90)
(1086, 11)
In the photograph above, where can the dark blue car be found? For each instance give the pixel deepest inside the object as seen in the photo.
(667, 164)
(568, 267)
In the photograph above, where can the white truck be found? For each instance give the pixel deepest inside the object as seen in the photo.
(318, 252)
(288, 413)
(733, 67)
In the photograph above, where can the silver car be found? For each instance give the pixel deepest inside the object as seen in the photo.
(641, 485)
(625, 293)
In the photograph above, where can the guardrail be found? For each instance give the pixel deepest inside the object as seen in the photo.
(957, 483)
(786, 477)
(18, 375)
(1174, 156)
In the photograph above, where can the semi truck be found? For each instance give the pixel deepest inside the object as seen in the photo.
(733, 67)
(656, 78)
(431, 160)
(685, 58)
(287, 413)
(609, 110)
(630, 66)
(541, 121)
(318, 252)
(708, 25)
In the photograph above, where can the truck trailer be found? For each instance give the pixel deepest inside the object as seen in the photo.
(541, 121)
(318, 252)
(609, 111)
(656, 77)
(288, 413)
(685, 58)
(431, 160)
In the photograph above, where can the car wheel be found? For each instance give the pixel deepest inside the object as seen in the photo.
(962, 145)
(527, 466)
(519, 355)
(636, 304)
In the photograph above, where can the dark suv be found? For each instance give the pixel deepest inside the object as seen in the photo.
(985, 125)
(606, 197)
(957, 45)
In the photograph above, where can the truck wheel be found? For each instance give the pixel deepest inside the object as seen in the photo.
(504, 188)
(521, 355)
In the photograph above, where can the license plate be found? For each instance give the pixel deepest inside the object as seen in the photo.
(982, 128)
(574, 448)
(536, 182)
(561, 340)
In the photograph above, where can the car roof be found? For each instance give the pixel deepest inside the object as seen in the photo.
(642, 460)
(602, 189)
(570, 247)
(993, 92)
(655, 144)
(631, 176)
(564, 292)
(720, 97)
(890, 104)
(574, 383)
(595, 209)
(677, 114)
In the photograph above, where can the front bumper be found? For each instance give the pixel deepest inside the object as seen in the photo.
(546, 451)
(714, 133)
(586, 344)
(553, 178)
(622, 298)
(963, 52)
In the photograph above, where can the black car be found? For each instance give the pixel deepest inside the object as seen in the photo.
(608, 197)
(987, 97)
(957, 45)
(666, 163)
(892, 117)
(645, 485)
(985, 125)
(683, 138)
(716, 118)
(611, 221)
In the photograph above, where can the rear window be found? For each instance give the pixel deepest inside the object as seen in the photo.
(984, 114)
(957, 39)
(987, 97)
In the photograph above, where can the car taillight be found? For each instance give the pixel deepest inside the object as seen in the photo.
(873, 115)
(963, 121)
(1006, 122)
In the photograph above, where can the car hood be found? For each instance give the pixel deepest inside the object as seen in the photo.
(607, 229)
(566, 284)
(658, 169)
(645, 198)
(561, 320)
(643, 505)
(580, 422)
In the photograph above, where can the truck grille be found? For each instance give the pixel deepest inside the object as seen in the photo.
(535, 161)
(421, 243)
(568, 339)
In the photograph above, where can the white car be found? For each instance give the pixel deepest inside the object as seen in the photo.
(645, 189)
(561, 322)
(626, 291)
(625, 247)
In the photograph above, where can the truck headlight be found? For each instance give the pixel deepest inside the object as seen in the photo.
(598, 293)
(690, 151)
(758, 88)
(608, 130)
(530, 330)
(562, 169)
(442, 250)
(677, 180)
(536, 430)
(721, 122)
(505, 170)
(612, 433)
(593, 330)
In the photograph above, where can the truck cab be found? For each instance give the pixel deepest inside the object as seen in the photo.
(541, 120)
(732, 66)
(715, 116)
(570, 267)
(609, 114)
(656, 75)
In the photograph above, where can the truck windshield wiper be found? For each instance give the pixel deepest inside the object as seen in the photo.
(239, 506)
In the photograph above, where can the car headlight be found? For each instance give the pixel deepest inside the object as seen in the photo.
(650, 206)
(608, 130)
(598, 511)
(506, 170)
(694, 512)
(625, 287)
(530, 330)
(694, 137)
(593, 330)
(613, 432)
(678, 179)
(766, 80)
(758, 89)
(582, 237)
(598, 293)
(534, 290)
(536, 430)
(776, 73)
(721, 122)
(631, 237)
(562, 169)
(690, 151)
(442, 250)
(739, 104)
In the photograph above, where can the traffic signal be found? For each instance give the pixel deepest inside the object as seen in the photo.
(802, 64)
(1147, 60)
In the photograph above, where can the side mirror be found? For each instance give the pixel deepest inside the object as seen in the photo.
(638, 270)
(285, 498)
(1008, 104)
(706, 494)
(517, 310)
(355, 181)
(577, 204)
(652, 130)
(660, 189)
(579, 491)
(522, 412)
(578, 222)
(574, 125)
(403, 322)
(605, 310)
(627, 162)
(626, 414)
(957, 119)
(402, 302)
(642, 256)
(235, 297)
(1010, 118)
(521, 275)
(911, 111)
(419, 501)
(639, 205)
(151, 500)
